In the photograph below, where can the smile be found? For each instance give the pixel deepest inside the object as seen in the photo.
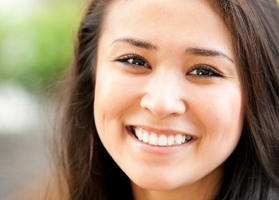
(157, 139)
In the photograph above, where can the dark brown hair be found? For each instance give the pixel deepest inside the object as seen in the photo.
(251, 172)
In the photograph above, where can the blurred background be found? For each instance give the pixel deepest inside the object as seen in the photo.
(36, 46)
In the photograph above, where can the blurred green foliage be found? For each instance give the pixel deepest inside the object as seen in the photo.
(34, 51)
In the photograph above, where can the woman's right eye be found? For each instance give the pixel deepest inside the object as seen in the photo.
(133, 61)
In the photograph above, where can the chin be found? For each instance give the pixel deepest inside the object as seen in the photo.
(159, 183)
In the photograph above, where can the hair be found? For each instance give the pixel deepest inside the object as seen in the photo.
(251, 172)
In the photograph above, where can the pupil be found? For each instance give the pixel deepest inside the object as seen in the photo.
(203, 72)
(138, 62)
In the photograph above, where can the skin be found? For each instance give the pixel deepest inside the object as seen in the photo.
(163, 93)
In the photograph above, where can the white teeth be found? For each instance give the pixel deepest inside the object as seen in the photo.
(153, 139)
(139, 134)
(145, 137)
(178, 139)
(170, 140)
(183, 138)
(161, 140)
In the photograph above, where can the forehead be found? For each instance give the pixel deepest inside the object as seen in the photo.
(176, 11)
(188, 22)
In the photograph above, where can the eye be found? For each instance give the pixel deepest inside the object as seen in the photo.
(204, 71)
(133, 61)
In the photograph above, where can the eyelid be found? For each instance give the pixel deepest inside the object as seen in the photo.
(216, 72)
(129, 56)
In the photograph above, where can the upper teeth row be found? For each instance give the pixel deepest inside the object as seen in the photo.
(162, 140)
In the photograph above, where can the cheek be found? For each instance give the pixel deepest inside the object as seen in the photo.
(105, 99)
(116, 92)
(221, 113)
(115, 96)
(107, 106)
(220, 117)
(109, 94)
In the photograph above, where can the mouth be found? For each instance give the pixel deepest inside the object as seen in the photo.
(159, 139)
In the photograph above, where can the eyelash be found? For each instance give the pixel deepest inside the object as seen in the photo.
(141, 61)
(201, 68)
(195, 71)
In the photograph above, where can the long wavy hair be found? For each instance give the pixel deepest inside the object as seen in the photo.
(252, 171)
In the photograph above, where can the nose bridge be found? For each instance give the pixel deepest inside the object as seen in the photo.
(163, 94)
(164, 86)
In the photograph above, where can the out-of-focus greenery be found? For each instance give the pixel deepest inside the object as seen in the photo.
(34, 51)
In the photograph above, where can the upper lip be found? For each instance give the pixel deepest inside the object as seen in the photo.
(164, 130)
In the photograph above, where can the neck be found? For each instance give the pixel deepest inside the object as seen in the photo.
(205, 189)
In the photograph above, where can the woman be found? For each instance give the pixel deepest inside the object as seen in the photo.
(173, 100)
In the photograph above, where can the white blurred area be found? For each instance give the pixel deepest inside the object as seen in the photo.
(19, 113)
(19, 109)
(23, 134)
(24, 117)
(23, 122)
(20, 9)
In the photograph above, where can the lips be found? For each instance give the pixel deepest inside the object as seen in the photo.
(159, 138)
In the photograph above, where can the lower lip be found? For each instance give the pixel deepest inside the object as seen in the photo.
(159, 149)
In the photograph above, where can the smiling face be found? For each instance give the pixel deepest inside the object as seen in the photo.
(168, 101)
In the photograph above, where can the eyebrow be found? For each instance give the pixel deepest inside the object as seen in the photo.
(192, 51)
(137, 43)
(207, 52)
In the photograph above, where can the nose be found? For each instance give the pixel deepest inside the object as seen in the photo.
(164, 96)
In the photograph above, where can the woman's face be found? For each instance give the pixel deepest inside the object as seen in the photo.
(168, 102)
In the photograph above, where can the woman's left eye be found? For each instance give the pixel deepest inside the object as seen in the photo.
(133, 61)
(204, 71)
